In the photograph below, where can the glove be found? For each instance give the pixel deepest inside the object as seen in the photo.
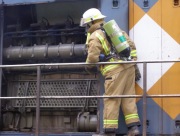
(137, 73)
(101, 57)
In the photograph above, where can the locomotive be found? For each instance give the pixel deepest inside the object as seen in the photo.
(37, 36)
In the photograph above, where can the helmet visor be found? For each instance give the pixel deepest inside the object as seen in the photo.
(82, 24)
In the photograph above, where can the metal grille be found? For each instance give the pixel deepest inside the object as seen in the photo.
(57, 88)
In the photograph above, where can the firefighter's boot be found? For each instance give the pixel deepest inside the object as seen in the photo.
(108, 132)
(133, 131)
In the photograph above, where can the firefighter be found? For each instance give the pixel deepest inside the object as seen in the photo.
(119, 78)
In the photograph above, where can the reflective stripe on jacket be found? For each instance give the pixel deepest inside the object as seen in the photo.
(106, 68)
(87, 39)
(103, 42)
(97, 44)
(133, 53)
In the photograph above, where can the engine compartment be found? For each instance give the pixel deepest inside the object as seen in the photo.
(43, 33)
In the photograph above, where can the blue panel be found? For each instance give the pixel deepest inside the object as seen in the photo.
(140, 3)
(177, 126)
(159, 121)
(10, 2)
(120, 14)
(169, 126)
(153, 116)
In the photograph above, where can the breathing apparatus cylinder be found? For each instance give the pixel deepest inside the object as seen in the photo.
(117, 38)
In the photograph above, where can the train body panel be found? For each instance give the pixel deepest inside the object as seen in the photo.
(47, 31)
(153, 27)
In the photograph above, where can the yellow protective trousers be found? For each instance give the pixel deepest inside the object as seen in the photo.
(121, 83)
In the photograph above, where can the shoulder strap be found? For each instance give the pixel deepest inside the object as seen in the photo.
(108, 39)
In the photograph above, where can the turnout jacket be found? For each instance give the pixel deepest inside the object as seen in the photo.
(97, 44)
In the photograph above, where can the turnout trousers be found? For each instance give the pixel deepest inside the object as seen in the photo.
(121, 83)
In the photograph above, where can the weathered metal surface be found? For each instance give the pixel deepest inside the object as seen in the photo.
(86, 122)
(37, 52)
(38, 90)
(17, 2)
(1, 51)
(57, 88)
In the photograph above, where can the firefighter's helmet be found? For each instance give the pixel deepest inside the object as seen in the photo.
(91, 15)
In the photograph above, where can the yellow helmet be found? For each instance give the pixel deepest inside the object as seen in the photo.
(91, 15)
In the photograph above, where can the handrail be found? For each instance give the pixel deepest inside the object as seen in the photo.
(90, 97)
(144, 96)
(83, 63)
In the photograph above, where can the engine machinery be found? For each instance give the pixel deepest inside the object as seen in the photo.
(47, 33)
